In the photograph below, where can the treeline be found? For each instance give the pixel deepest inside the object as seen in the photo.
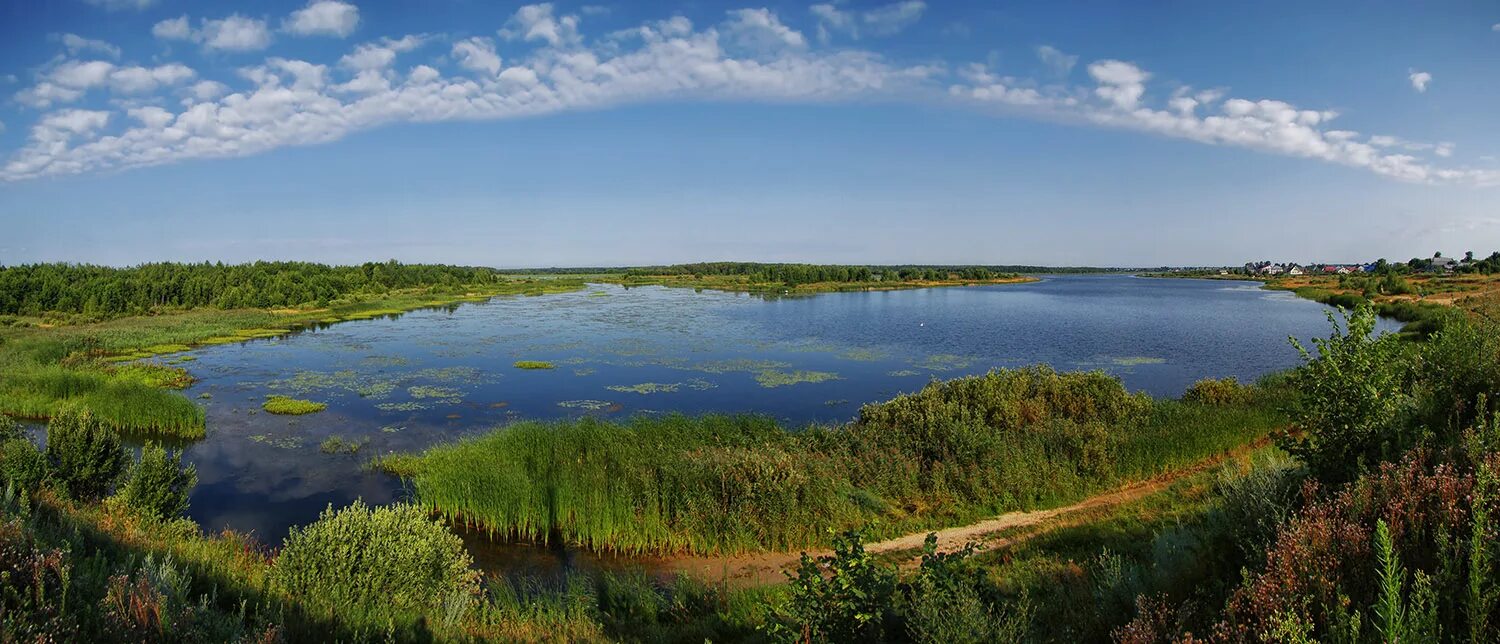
(102, 291)
(794, 274)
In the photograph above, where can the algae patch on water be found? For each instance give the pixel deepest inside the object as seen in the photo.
(291, 406)
(773, 378)
(534, 364)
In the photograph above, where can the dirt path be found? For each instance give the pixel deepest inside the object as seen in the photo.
(769, 567)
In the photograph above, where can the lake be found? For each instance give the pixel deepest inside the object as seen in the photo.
(429, 376)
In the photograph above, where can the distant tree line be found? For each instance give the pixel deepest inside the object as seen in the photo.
(794, 274)
(34, 289)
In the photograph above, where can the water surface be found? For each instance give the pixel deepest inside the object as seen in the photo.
(404, 383)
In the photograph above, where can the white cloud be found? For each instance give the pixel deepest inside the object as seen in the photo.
(235, 33)
(1056, 60)
(881, 21)
(1120, 82)
(75, 43)
(140, 80)
(208, 90)
(120, 5)
(81, 74)
(232, 33)
(1495, 27)
(1419, 80)
(477, 54)
(285, 102)
(535, 22)
(173, 29)
(323, 18)
(760, 30)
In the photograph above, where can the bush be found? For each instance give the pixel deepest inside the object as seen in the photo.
(843, 598)
(159, 486)
(1356, 400)
(370, 560)
(22, 464)
(84, 455)
(1217, 393)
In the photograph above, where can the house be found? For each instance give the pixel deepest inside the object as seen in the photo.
(1345, 270)
(1443, 264)
(1271, 269)
(1294, 270)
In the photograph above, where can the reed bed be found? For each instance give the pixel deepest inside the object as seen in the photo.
(953, 452)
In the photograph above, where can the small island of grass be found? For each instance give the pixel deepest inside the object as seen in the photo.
(534, 364)
(291, 406)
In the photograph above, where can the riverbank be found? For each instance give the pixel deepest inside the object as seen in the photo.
(1421, 301)
(103, 366)
(954, 452)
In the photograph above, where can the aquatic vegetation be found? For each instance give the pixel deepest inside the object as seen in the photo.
(902, 373)
(205, 396)
(441, 395)
(339, 445)
(584, 371)
(586, 405)
(1135, 361)
(291, 406)
(385, 361)
(152, 375)
(646, 388)
(862, 354)
(772, 378)
(403, 406)
(534, 364)
(392, 429)
(733, 365)
(699, 384)
(943, 362)
(836, 402)
(279, 442)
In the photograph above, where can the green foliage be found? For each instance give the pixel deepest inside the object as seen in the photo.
(158, 487)
(34, 289)
(1357, 399)
(534, 364)
(1216, 392)
(363, 560)
(22, 465)
(83, 455)
(841, 598)
(850, 596)
(291, 406)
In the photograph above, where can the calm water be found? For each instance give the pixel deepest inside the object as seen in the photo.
(431, 376)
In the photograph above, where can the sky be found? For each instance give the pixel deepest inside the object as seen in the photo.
(572, 134)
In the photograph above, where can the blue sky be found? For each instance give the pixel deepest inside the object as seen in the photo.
(503, 134)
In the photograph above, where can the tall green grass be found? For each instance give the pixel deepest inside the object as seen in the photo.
(955, 451)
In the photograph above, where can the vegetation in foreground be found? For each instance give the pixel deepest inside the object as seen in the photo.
(955, 451)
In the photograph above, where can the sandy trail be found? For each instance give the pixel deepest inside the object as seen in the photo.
(770, 567)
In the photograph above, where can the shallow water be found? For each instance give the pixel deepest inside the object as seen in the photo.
(429, 376)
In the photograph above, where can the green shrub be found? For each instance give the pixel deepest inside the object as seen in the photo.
(1216, 392)
(159, 486)
(372, 560)
(21, 464)
(83, 455)
(847, 597)
(1356, 399)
